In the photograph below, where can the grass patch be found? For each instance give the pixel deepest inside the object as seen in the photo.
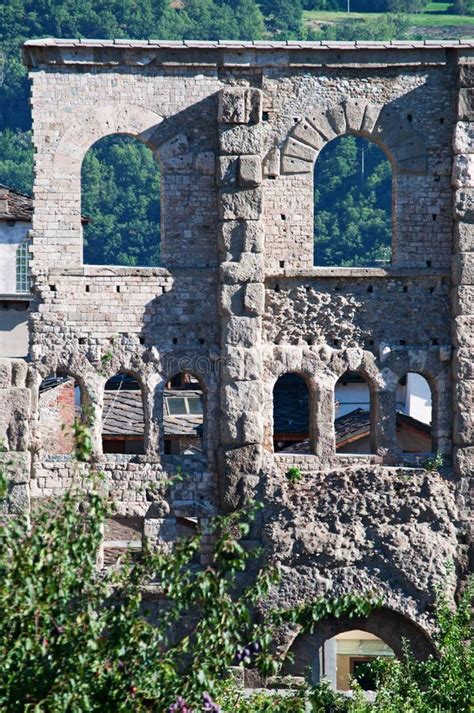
(432, 18)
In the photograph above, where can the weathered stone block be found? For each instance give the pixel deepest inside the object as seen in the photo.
(463, 363)
(252, 427)
(16, 466)
(254, 300)
(241, 204)
(231, 300)
(291, 165)
(466, 75)
(463, 171)
(232, 107)
(464, 461)
(227, 170)
(463, 137)
(371, 115)
(464, 205)
(241, 139)
(239, 105)
(306, 133)
(236, 237)
(463, 331)
(463, 269)
(463, 422)
(250, 366)
(271, 163)
(19, 499)
(355, 109)
(242, 331)
(466, 104)
(250, 171)
(463, 237)
(296, 149)
(248, 269)
(463, 300)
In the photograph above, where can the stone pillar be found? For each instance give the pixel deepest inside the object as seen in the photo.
(241, 291)
(463, 289)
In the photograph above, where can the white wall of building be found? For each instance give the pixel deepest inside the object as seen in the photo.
(413, 399)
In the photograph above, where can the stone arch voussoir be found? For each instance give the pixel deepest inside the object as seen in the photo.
(103, 121)
(382, 124)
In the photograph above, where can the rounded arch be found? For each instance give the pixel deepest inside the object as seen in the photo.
(120, 197)
(293, 401)
(124, 421)
(355, 413)
(354, 207)
(385, 125)
(62, 402)
(417, 413)
(387, 624)
(102, 121)
(184, 413)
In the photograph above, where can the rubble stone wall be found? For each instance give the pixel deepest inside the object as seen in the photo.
(237, 129)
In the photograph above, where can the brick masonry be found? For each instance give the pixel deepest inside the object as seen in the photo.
(237, 128)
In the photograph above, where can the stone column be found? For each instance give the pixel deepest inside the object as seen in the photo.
(241, 292)
(463, 289)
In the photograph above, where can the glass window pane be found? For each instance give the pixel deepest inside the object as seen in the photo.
(195, 406)
(177, 406)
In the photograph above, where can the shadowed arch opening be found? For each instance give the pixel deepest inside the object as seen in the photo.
(123, 418)
(385, 628)
(291, 407)
(353, 405)
(352, 204)
(120, 193)
(415, 415)
(60, 406)
(184, 419)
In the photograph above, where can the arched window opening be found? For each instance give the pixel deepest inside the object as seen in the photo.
(352, 204)
(291, 415)
(414, 415)
(346, 657)
(123, 420)
(59, 406)
(352, 415)
(120, 199)
(183, 416)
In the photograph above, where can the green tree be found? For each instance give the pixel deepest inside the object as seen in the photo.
(121, 197)
(463, 7)
(352, 204)
(282, 17)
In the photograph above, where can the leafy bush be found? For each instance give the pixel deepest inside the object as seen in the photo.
(293, 475)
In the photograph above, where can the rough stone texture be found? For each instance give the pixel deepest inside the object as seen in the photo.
(237, 129)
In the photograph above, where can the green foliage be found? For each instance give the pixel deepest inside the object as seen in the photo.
(463, 7)
(16, 160)
(434, 463)
(352, 223)
(293, 475)
(121, 196)
(282, 17)
(73, 640)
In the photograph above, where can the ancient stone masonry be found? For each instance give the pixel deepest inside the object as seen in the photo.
(237, 302)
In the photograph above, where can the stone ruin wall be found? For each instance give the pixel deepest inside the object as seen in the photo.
(237, 129)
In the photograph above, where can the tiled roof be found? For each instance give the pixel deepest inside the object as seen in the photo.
(356, 424)
(123, 416)
(123, 413)
(15, 205)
